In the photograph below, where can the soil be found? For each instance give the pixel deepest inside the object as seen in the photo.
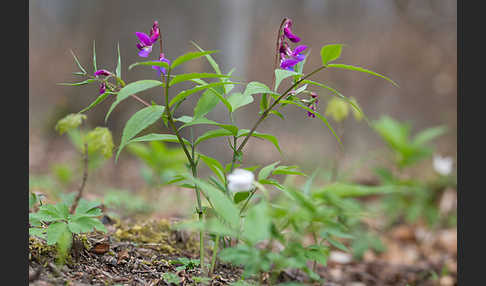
(140, 254)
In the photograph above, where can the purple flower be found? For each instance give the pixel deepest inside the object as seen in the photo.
(294, 57)
(161, 70)
(146, 41)
(313, 105)
(102, 72)
(102, 87)
(288, 33)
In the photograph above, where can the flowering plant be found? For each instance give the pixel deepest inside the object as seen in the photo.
(229, 192)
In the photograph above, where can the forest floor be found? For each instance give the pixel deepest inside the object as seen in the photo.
(142, 254)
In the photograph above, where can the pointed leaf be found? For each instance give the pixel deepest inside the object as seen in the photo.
(223, 206)
(55, 232)
(150, 63)
(266, 171)
(189, 56)
(238, 100)
(77, 62)
(360, 69)
(118, 65)
(210, 59)
(188, 76)
(94, 57)
(138, 122)
(330, 53)
(214, 165)
(212, 134)
(271, 138)
(183, 94)
(281, 74)
(98, 100)
(130, 89)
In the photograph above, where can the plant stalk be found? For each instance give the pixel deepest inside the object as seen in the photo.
(85, 178)
(265, 113)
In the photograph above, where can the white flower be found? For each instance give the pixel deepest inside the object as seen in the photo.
(240, 180)
(442, 165)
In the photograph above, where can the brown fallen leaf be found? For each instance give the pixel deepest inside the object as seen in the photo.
(100, 248)
(123, 255)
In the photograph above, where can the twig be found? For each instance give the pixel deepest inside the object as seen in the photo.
(85, 177)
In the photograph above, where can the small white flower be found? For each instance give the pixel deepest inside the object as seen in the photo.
(240, 180)
(442, 165)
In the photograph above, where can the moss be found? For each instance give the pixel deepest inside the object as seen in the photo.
(157, 233)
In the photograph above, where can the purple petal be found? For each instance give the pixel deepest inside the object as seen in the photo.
(102, 72)
(288, 63)
(145, 52)
(103, 88)
(144, 38)
(154, 32)
(299, 49)
(291, 36)
(300, 57)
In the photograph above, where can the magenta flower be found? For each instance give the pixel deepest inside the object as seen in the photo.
(102, 87)
(293, 57)
(288, 33)
(313, 105)
(161, 70)
(146, 41)
(102, 72)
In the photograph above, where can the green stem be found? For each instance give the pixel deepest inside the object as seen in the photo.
(247, 201)
(191, 162)
(215, 252)
(265, 113)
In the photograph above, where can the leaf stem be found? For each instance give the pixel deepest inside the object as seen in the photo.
(265, 113)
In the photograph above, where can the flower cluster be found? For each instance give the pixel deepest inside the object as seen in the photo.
(103, 84)
(289, 58)
(146, 42)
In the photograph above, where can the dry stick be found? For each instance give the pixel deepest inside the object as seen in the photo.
(85, 177)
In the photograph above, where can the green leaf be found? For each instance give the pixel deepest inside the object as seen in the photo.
(94, 57)
(138, 122)
(118, 66)
(214, 165)
(85, 207)
(330, 53)
(204, 120)
(255, 87)
(360, 69)
(238, 100)
(241, 196)
(77, 62)
(322, 118)
(131, 89)
(189, 56)
(428, 134)
(281, 74)
(159, 137)
(212, 134)
(207, 102)
(183, 94)
(256, 226)
(266, 171)
(150, 63)
(188, 76)
(210, 59)
(70, 122)
(56, 231)
(268, 137)
(100, 139)
(98, 100)
(85, 224)
(287, 170)
(223, 206)
(78, 83)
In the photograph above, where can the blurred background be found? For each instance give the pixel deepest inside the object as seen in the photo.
(414, 42)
